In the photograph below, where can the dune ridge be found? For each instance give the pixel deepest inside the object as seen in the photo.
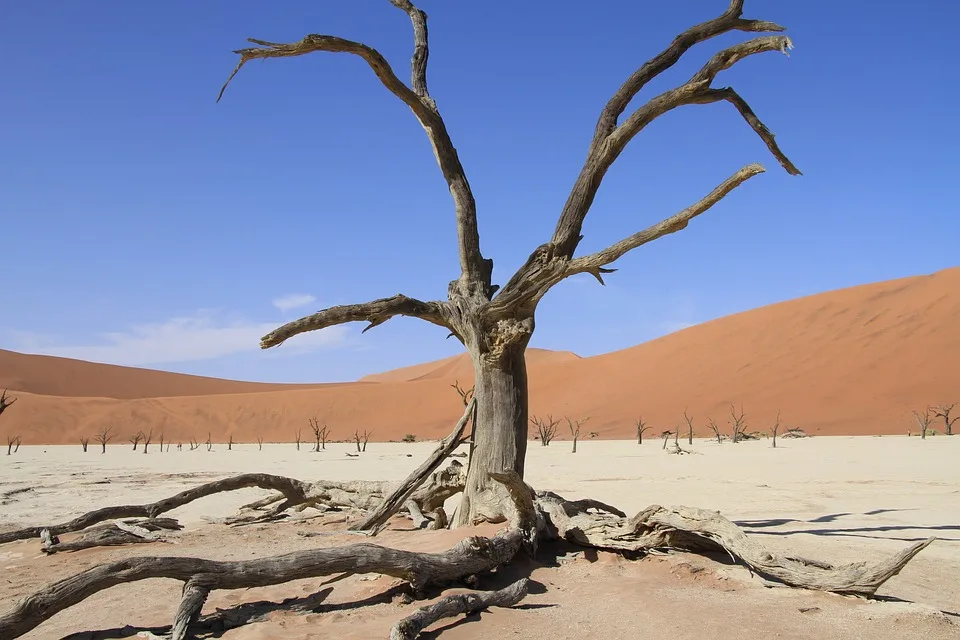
(854, 361)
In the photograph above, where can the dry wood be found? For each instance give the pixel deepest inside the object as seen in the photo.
(320, 434)
(943, 411)
(457, 604)
(694, 529)
(738, 422)
(399, 496)
(470, 556)
(5, 401)
(774, 429)
(642, 427)
(546, 429)
(113, 534)
(147, 438)
(135, 439)
(923, 421)
(575, 426)
(689, 421)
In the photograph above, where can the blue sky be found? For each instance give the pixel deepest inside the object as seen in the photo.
(147, 225)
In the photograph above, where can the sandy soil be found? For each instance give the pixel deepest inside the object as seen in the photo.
(836, 499)
(851, 362)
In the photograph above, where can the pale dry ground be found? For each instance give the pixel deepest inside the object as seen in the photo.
(837, 499)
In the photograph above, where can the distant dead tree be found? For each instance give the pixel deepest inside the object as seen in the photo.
(298, 437)
(715, 428)
(147, 437)
(738, 422)
(774, 429)
(689, 421)
(259, 443)
(943, 411)
(362, 440)
(84, 442)
(193, 444)
(136, 438)
(666, 436)
(104, 436)
(209, 442)
(13, 441)
(5, 401)
(230, 442)
(546, 429)
(321, 432)
(923, 421)
(575, 430)
(160, 438)
(641, 428)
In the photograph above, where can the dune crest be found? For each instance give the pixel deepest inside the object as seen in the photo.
(854, 361)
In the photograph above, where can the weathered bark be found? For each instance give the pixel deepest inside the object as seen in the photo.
(468, 557)
(499, 435)
(113, 534)
(454, 605)
(399, 496)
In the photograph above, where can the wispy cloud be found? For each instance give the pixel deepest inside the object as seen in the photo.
(293, 301)
(203, 336)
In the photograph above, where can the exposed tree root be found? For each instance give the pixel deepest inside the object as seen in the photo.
(470, 556)
(454, 605)
(113, 534)
(534, 516)
(358, 494)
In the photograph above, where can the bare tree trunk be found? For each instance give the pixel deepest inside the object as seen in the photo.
(500, 433)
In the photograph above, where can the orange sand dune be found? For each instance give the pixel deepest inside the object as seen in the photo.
(853, 361)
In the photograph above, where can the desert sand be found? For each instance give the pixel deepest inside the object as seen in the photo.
(832, 498)
(855, 361)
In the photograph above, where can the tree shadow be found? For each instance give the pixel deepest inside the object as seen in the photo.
(777, 522)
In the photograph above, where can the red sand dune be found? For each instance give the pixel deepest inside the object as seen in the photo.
(853, 361)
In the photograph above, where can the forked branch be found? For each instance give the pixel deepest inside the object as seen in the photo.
(376, 313)
(473, 266)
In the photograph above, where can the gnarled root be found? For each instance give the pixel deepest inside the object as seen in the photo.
(113, 534)
(470, 556)
(694, 529)
(454, 605)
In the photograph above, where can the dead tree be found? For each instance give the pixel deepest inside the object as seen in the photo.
(160, 438)
(575, 430)
(943, 411)
(495, 323)
(5, 402)
(298, 436)
(689, 421)
(84, 442)
(465, 394)
(546, 429)
(923, 421)
(774, 429)
(362, 440)
(136, 438)
(193, 444)
(147, 437)
(259, 443)
(738, 422)
(320, 433)
(641, 428)
(666, 436)
(715, 428)
(230, 442)
(209, 442)
(103, 437)
(13, 441)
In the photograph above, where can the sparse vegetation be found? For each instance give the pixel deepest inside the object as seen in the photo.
(546, 429)
(409, 438)
(715, 428)
(104, 436)
(738, 422)
(774, 429)
(146, 440)
(689, 421)
(642, 427)
(923, 421)
(321, 433)
(943, 412)
(135, 439)
(84, 442)
(362, 439)
(575, 426)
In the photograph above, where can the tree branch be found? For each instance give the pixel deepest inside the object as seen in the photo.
(594, 263)
(375, 312)
(473, 266)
